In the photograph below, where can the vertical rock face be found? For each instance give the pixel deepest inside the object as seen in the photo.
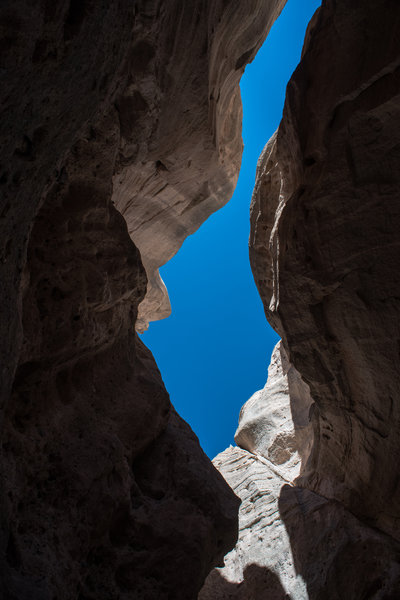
(325, 250)
(275, 422)
(293, 543)
(271, 432)
(120, 122)
(183, 164)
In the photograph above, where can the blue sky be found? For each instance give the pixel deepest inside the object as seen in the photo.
(213, 351)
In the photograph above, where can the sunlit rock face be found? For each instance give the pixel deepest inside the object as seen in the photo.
(275, 422)
(261, 564)
(271, 433)
(179, 155)
(293, 543)
(325, 250)
(325, 256)
(120, 134)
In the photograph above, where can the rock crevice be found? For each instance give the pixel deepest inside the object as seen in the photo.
(325, 256)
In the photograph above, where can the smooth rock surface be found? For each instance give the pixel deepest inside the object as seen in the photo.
(179, 157)
(325, 250)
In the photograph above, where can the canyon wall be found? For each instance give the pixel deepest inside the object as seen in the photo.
(120, 134)
(324, 249)
(293, 543)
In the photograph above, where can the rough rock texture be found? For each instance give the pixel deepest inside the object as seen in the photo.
(296, 544)
(293, 543)
(179, 160)
(272, 433)
(275, 422)
(88, 438)
(325, 250)
(120, 121)
(261, 565)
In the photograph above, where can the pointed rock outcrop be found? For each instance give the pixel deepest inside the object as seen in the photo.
(275, 422)
(293, 543)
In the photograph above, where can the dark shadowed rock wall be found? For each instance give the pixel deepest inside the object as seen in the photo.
(325, 250)
(325, 253)
(293, 543)
(120, 122)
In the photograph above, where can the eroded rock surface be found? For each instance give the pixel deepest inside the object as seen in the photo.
(179, 156)
(261, 565)
(275, 422)
(296, 544)
(274, 435)
(101, 480)
(120, 122)
(325, 250)
(293, 543)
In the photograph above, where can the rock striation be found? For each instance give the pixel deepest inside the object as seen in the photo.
(272, 435)
(120, 134)
(325, 250)
(179, 157)
(293, 543)
(275, 422)
(261, 565)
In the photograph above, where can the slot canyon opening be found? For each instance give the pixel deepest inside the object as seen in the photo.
(214, 350)
(121, 134)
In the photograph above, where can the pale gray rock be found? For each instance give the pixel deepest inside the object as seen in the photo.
(181, 118)
(263, 540)
(274, 434)
(275, 421)
(293, 543)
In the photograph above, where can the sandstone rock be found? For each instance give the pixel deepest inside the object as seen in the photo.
(325, 253)
(88, 435)
(179, 158)
(120, 121)
(293, 543)
(275, 422)
(296, 544)
(263, 540)
(336, 554)
(274, 435)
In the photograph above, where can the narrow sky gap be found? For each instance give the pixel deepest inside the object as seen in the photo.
(214, 350)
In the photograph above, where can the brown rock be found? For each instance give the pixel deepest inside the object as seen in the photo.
(93, 462)
(325, 251)
(292, 542)
(108, 108)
